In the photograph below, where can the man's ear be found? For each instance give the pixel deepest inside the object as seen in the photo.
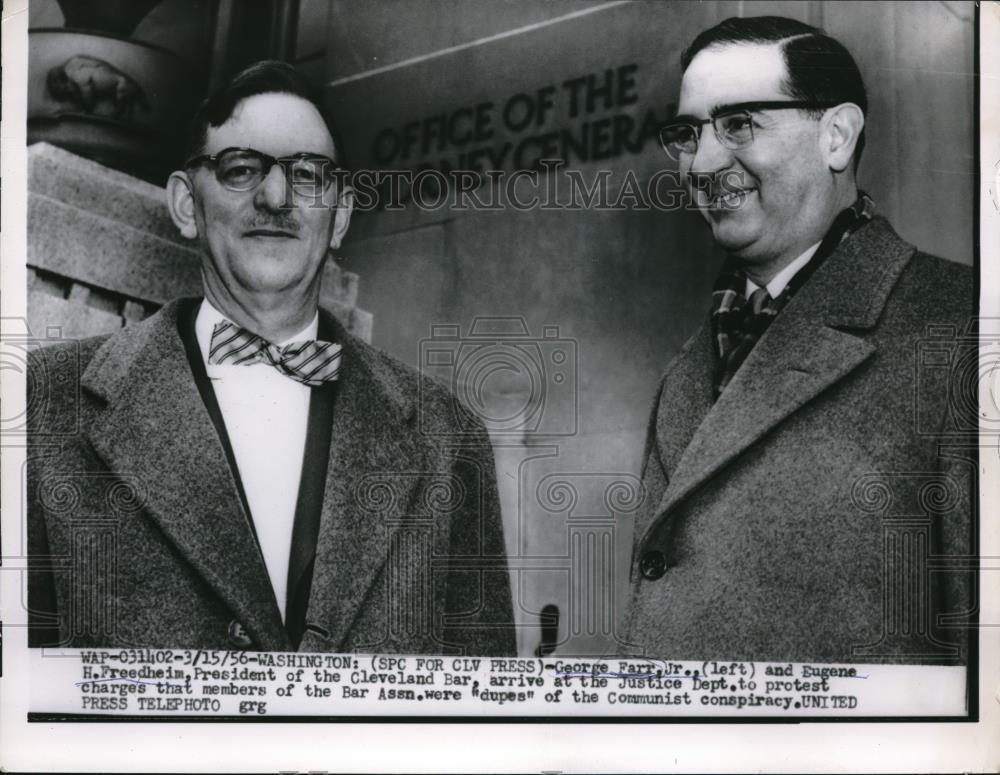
(180, 201)
(342, 218)
(842, 127)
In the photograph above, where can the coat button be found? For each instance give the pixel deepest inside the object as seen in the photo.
(652, 565)
(238, 636)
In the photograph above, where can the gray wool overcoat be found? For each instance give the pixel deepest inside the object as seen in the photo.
(820, 509)
(137, 535)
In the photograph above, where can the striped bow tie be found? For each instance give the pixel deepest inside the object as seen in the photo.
(311, 362)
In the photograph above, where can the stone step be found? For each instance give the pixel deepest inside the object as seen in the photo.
(65, 319)
(91, 248)
(97, 250)
(74, 180)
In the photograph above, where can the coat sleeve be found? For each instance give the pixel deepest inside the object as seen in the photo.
(953, 502)
(478, 616)
(43, 628)
(953, 506)
(50, 415)
(958, 544)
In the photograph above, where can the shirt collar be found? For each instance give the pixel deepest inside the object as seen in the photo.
(780, 280)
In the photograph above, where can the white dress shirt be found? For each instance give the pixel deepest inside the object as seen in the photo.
(781, 280)
(266, 416)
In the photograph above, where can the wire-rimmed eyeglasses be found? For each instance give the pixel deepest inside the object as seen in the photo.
(733, 125)
(243, 169)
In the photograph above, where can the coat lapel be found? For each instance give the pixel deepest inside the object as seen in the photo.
(156, 427)
(773, 382)
(803, 353)
(376, 460)
(685, 398)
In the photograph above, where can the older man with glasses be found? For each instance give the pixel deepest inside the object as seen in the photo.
(280, 495)
(809, 483)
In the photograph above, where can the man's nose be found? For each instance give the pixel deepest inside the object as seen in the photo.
(273, 192)
(711, 156)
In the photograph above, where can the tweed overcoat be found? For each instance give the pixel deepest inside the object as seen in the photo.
(819, 510)
(138, 537)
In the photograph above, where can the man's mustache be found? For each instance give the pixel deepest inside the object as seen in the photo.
(272, 222)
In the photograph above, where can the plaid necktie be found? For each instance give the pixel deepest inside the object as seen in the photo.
(737, 324)
(311, 362)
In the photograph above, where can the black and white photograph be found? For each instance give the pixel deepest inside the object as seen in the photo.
(535, 364)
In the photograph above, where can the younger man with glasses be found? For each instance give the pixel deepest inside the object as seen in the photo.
(273, 489)
(808, 487)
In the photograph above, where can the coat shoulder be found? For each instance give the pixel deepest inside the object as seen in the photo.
(439, 413)
(53, 381)
(67, 353)
(407, 380)
(938, 289)
(58, 372)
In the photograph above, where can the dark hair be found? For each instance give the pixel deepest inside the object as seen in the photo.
(266, 77)
(819, 68)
